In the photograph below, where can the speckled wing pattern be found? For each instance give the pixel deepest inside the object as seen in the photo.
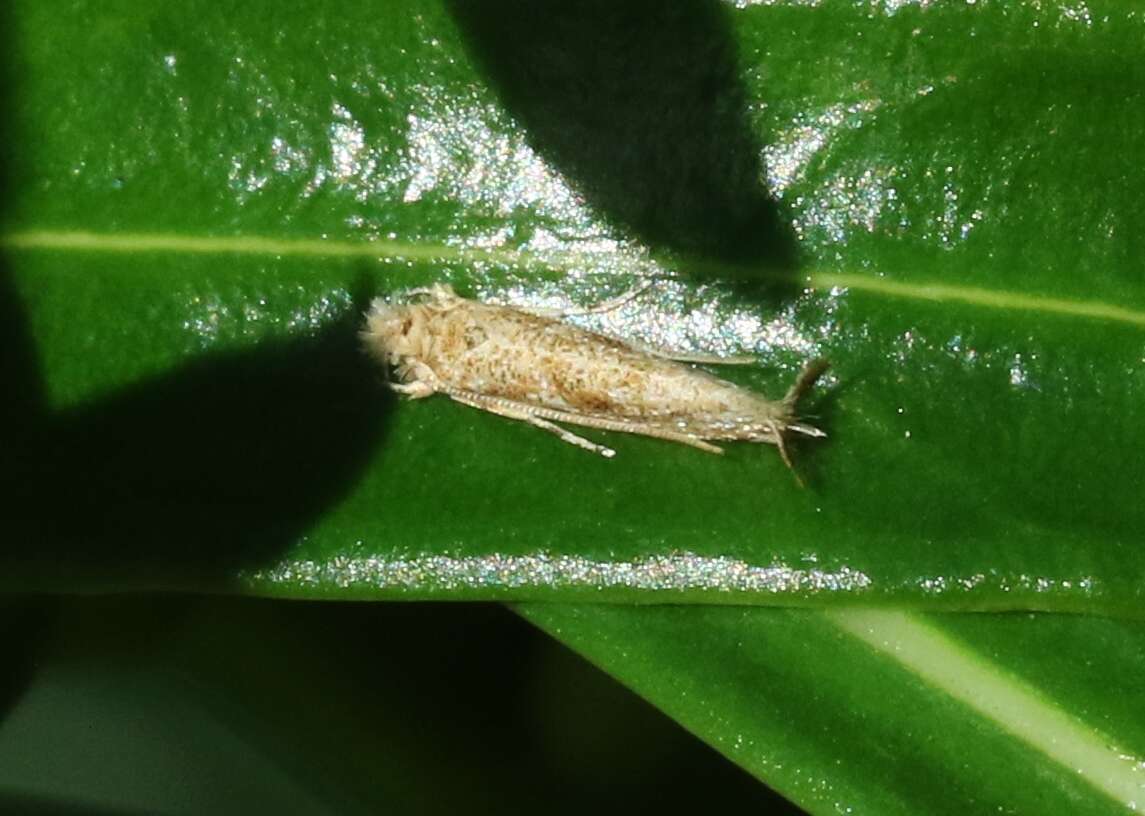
(542, 370)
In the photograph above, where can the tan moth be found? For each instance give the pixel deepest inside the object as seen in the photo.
(539, 369)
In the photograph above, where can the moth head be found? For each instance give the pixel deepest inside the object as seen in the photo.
(393, 331)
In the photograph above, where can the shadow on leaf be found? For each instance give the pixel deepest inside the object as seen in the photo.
(641, 105)
(178, 480)
(183, 478)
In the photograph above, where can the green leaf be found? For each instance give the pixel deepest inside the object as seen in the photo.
(199, 203)
(881, 711)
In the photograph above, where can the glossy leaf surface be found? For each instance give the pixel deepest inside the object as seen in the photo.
(198, 205)
(863, 711)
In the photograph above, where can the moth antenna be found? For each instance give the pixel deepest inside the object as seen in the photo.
(807, 377)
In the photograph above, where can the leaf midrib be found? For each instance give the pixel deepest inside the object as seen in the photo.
(1006, 701)
(385, 249)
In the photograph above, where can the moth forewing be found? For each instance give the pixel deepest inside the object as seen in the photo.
(536, 368)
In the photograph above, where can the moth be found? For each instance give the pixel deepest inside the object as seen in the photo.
(537, 368)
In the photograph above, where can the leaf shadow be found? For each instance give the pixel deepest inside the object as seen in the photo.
(641, 105)
(23, 400)
(185, 477)
(31, 804)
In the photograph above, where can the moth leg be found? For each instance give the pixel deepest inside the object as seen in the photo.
(417, 291)
(708, 359)
(441, 296)
(667, 354)
(683, 439)
(609, 305)
(786, 456)
(525, 413)
(603, 307)
(414, 390)
(627, 426)
(569, 436)
(438, 291)
(690, 357)
(536, 415)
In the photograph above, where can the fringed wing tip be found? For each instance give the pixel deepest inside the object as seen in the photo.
(807, 377)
